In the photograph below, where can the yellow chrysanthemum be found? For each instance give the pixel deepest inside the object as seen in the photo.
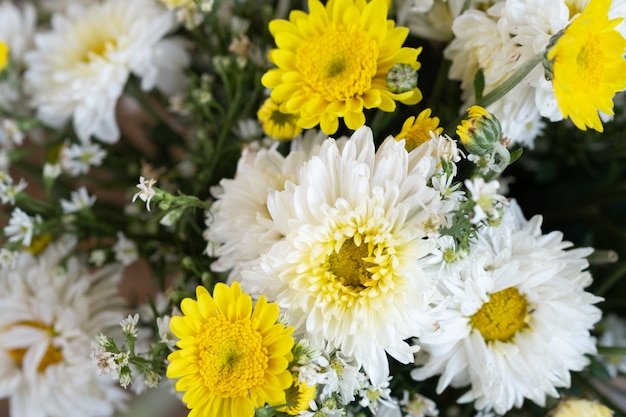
(335, 61)
(298, 396)
(275, 123)
(416, 131)
(576, 407)
(4, 56)
(233, 357)
(588, 65)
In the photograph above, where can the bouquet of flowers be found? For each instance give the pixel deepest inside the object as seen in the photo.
(348, 208)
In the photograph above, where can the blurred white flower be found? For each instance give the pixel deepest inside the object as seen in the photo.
(51, 305)
(125, 250)
(80, 199)
(21, 227)
(102, 44)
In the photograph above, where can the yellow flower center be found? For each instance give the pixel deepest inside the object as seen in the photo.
(338, 64)
(99, 50)
(4, 56)
(588, 58)
(502, 316)
(52, 356)
(232, 357)
(349, 265)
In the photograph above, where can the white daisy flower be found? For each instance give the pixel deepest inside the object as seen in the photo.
(486, 197)
(239, 221)
(77, 159)
(10, 133)
(21, 227)
(50, 308)
(348, 270)
(8, 258)
(125, 250)
(416, 405)
(79, 200)
(165, 333)
(79, 69)
(9, 190)
(341, 377)
(17, 27)
(145, 192)
(517, 319)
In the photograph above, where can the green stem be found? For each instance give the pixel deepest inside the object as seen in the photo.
(612, 350)
(501, 90)
(611, 280)
(508, 84)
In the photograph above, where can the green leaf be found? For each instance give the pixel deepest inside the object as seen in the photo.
(515, 155)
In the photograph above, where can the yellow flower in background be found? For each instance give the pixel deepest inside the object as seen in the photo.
(4, 56)
(588, 65)
(233, 356)
(334, 62)
(578, 407)
(416, 130)
(277, 124)
(298, 396)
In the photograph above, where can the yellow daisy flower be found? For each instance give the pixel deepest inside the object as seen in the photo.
(298, 396)
(416, 130)
(4, 56)
(233, 357)
(588, 65)
(275, 123)
(335, 61)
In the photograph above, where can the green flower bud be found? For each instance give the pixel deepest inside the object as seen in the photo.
(481, 132)
(401, 78)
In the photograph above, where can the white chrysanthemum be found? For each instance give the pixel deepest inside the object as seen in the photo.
(79, 69)
(484, 42)
(432, 19)
(479, 44)
(51, 306)
(531, 24)
(348, 269)
(518, 318)
(17, 26)
(239, 220)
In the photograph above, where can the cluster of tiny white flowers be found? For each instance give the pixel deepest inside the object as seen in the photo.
(129, 326)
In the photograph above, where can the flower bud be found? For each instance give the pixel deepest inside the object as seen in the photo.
(401, 78)
(480, 132)
(579, 407)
